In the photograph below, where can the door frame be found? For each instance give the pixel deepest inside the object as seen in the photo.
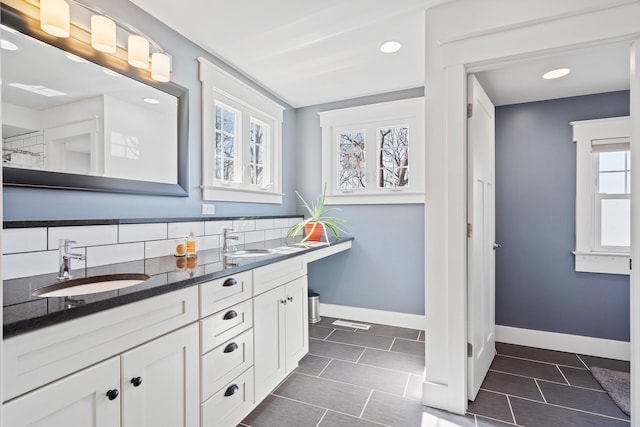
(448, 63)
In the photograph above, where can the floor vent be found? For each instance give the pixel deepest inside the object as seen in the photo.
(351, 324)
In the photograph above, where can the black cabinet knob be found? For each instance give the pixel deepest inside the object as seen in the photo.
(283, 301)
(233, 388)
(231, 348)
(230, 282)
(112, 394)
(290, 299)
(136, 381)
(230, 315)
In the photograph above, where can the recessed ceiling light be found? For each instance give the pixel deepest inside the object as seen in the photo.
(151, 101)
(38, 89)
(74, 58)
(390, 47)
(7, 45)
(109, 72)
(556, 74)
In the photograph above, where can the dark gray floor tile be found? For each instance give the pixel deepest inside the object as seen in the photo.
(492, 405)
(327, 322)
(408, 346)
(527, 368)
(364, 340)
(534, 414)
(397, 361)
(580, 378)
(594, 401)
(340, 397)
(541, 355)
(277, 412)
(512, 384)
(487, 422)
(414, 388)
(421, 336)
(601, 362)
(312, 365)
(392, 331)
(319, 332)
(346, 352)
(395, 411)
(366, 376)
(334, 419)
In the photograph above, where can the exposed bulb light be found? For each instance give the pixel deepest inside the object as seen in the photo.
(7, 45)
(138, 55)
(54, 17)
(160, 67)
(556, 74)
(151, 101)
(390, 46)
(103, 34)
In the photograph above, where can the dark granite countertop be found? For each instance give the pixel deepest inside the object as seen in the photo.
(23, 312)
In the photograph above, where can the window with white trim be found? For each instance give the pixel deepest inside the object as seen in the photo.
(603, 195)
(373, 153)
(241, 133)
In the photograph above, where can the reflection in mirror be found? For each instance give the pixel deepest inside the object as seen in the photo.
(67, 115)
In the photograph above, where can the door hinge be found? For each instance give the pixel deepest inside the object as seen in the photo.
(469, 349)
(469, 110)
(469, 230)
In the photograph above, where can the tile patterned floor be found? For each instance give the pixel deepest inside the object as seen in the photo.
(373, 378)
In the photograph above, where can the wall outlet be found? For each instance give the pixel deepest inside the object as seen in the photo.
(208, 209)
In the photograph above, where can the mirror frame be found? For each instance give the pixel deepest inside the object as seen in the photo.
(57, 180)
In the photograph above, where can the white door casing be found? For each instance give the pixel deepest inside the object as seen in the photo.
(480, 236)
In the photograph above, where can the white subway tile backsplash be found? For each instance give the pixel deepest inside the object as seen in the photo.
(216, 227)
(15, 240)
(294, 221)
(33, 263)
(273, 234)
(264, 224)
(254, 236)
(88, 235)
(208, 242)
(157, 248)
(112, 254)
(280, 222)
(142, 232)
(182, 229)
(244, 225)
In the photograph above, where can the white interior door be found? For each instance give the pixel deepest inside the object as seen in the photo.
(481, 236)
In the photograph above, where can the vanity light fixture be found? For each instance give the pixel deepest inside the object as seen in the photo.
(390, 46)
(55, 17)
(55, 20)
(556, 74)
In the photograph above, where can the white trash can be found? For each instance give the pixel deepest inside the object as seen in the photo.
(314, 307)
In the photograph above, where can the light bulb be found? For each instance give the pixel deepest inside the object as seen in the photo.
(138, 55)
(160, 67)
(54, 17)
(103, 34)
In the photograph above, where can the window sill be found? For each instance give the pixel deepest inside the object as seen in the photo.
(602, 262)
(382, 198)
(233, 194)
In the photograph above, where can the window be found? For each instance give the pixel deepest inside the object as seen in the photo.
(241, 152)
(603, 195)
(373, 153)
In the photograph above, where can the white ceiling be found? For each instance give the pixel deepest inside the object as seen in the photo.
(312, 52)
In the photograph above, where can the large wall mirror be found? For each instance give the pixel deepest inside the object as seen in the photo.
(76, 118)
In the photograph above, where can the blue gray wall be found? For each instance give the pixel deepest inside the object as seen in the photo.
(536, 284)
(29, 203)
(385, 268)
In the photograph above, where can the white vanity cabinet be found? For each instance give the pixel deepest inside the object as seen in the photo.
(281, 330)
(84, 371)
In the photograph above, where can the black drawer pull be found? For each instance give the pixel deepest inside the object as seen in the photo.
(136, 381)
(231, 348)
(112, 394)
(231, 390)
(230, 315)
(230, 282)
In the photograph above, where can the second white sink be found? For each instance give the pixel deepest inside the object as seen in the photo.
(90, 285)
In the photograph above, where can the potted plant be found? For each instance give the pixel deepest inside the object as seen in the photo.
(319, 221)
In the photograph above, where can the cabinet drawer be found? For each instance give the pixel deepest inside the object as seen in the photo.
(224, 292)
(225, 362)
(225, 324)
(231, 403)
(272, 275)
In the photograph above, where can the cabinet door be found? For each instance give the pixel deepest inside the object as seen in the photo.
(80, 399)
(160, 381)
(269, 346)
(297, 324)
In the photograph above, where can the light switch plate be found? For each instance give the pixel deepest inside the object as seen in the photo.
(208, 209)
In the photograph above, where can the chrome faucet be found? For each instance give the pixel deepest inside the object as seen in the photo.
(65, 256)
(226, 238)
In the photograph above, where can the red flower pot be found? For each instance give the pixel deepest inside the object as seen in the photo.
(314, 234)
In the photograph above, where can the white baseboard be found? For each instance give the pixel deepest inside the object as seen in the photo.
(600, 347)
(390, 318)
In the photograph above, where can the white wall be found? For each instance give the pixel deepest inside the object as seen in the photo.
(459, 36)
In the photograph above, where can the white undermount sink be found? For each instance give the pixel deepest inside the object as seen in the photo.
(246, 253)
(90, 285)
